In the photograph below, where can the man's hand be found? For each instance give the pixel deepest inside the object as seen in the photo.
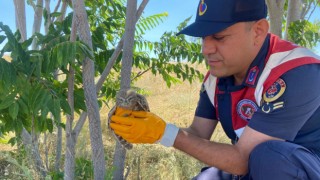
(122, 112)
(139, 127)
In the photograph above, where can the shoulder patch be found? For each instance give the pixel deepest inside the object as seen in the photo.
(275, 91)
(246, 108)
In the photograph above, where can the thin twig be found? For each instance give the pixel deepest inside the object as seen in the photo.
(314, 8)
(56, 9)
(140, 74)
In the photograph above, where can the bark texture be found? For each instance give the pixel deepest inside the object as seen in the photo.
(120, 152)
(71, 140)
(275, 9)
(82, 25)
(294, 14)
(20, 12)
(37, 21)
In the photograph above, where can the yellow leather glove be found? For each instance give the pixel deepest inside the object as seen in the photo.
(139, 127)
(122, 112)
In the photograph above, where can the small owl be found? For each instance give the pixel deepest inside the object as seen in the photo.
(128, 99)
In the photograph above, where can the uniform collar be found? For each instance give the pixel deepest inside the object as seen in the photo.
(257, 65)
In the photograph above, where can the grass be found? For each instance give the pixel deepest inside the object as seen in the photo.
(175, 105)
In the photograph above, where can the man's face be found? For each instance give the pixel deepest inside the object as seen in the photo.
(231, 51)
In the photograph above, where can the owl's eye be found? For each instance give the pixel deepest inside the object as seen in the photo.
(120, 99)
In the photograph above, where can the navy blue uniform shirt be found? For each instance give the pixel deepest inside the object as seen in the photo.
(295, 116)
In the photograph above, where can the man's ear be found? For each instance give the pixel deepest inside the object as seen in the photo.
(261, 29)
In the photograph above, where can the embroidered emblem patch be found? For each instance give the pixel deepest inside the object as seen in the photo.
(252, 76)
(246, 109)
(275, 91)
(202, 8)
(269, 107)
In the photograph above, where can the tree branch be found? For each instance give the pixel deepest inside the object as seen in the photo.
(118, 49)
(56, 9)
(140, 74)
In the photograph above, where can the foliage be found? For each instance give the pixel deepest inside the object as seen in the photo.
(84, 168)
(28, 89)
(167, 58)
(33, 84)
(149, 22)
(304, 33)
(21, 167)
(56, 175)
(107, 20)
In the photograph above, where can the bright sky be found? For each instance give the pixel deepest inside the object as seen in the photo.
(178, 11)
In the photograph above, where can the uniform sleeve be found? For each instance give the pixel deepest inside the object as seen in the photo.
(284, 116)
(205, 108)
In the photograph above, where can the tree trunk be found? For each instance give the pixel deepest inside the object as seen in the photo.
(37, 21)
(294, 14)
(69, 165)
(128, 44)
(63, 10)
(119, 159)
(81, 21)
(21, 18)
(120, 152)
(59, 128)
(48, 22)
(275, 8)
(58, 146)
(71, 141)
(33, 152)
(30, 146)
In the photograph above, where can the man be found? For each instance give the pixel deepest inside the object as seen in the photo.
(263, 90)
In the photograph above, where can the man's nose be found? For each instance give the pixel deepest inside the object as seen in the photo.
(208, 46)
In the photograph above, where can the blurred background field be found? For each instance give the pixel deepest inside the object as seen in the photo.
(175, 105)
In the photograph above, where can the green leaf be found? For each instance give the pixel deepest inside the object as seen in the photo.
(65, 106)
(54, 107)
(8, 100)
(23, 106)
(45, 15)
(49, 125)
(7, 73)
(17, 125)
(13, 110)
(79, 100)
(12, 141)
(38, 98)
(56, 14)
(42, 100)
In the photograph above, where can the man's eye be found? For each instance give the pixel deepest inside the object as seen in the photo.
(215, 37)
(218, 38)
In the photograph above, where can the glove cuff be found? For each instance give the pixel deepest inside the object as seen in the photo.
(169, 135)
